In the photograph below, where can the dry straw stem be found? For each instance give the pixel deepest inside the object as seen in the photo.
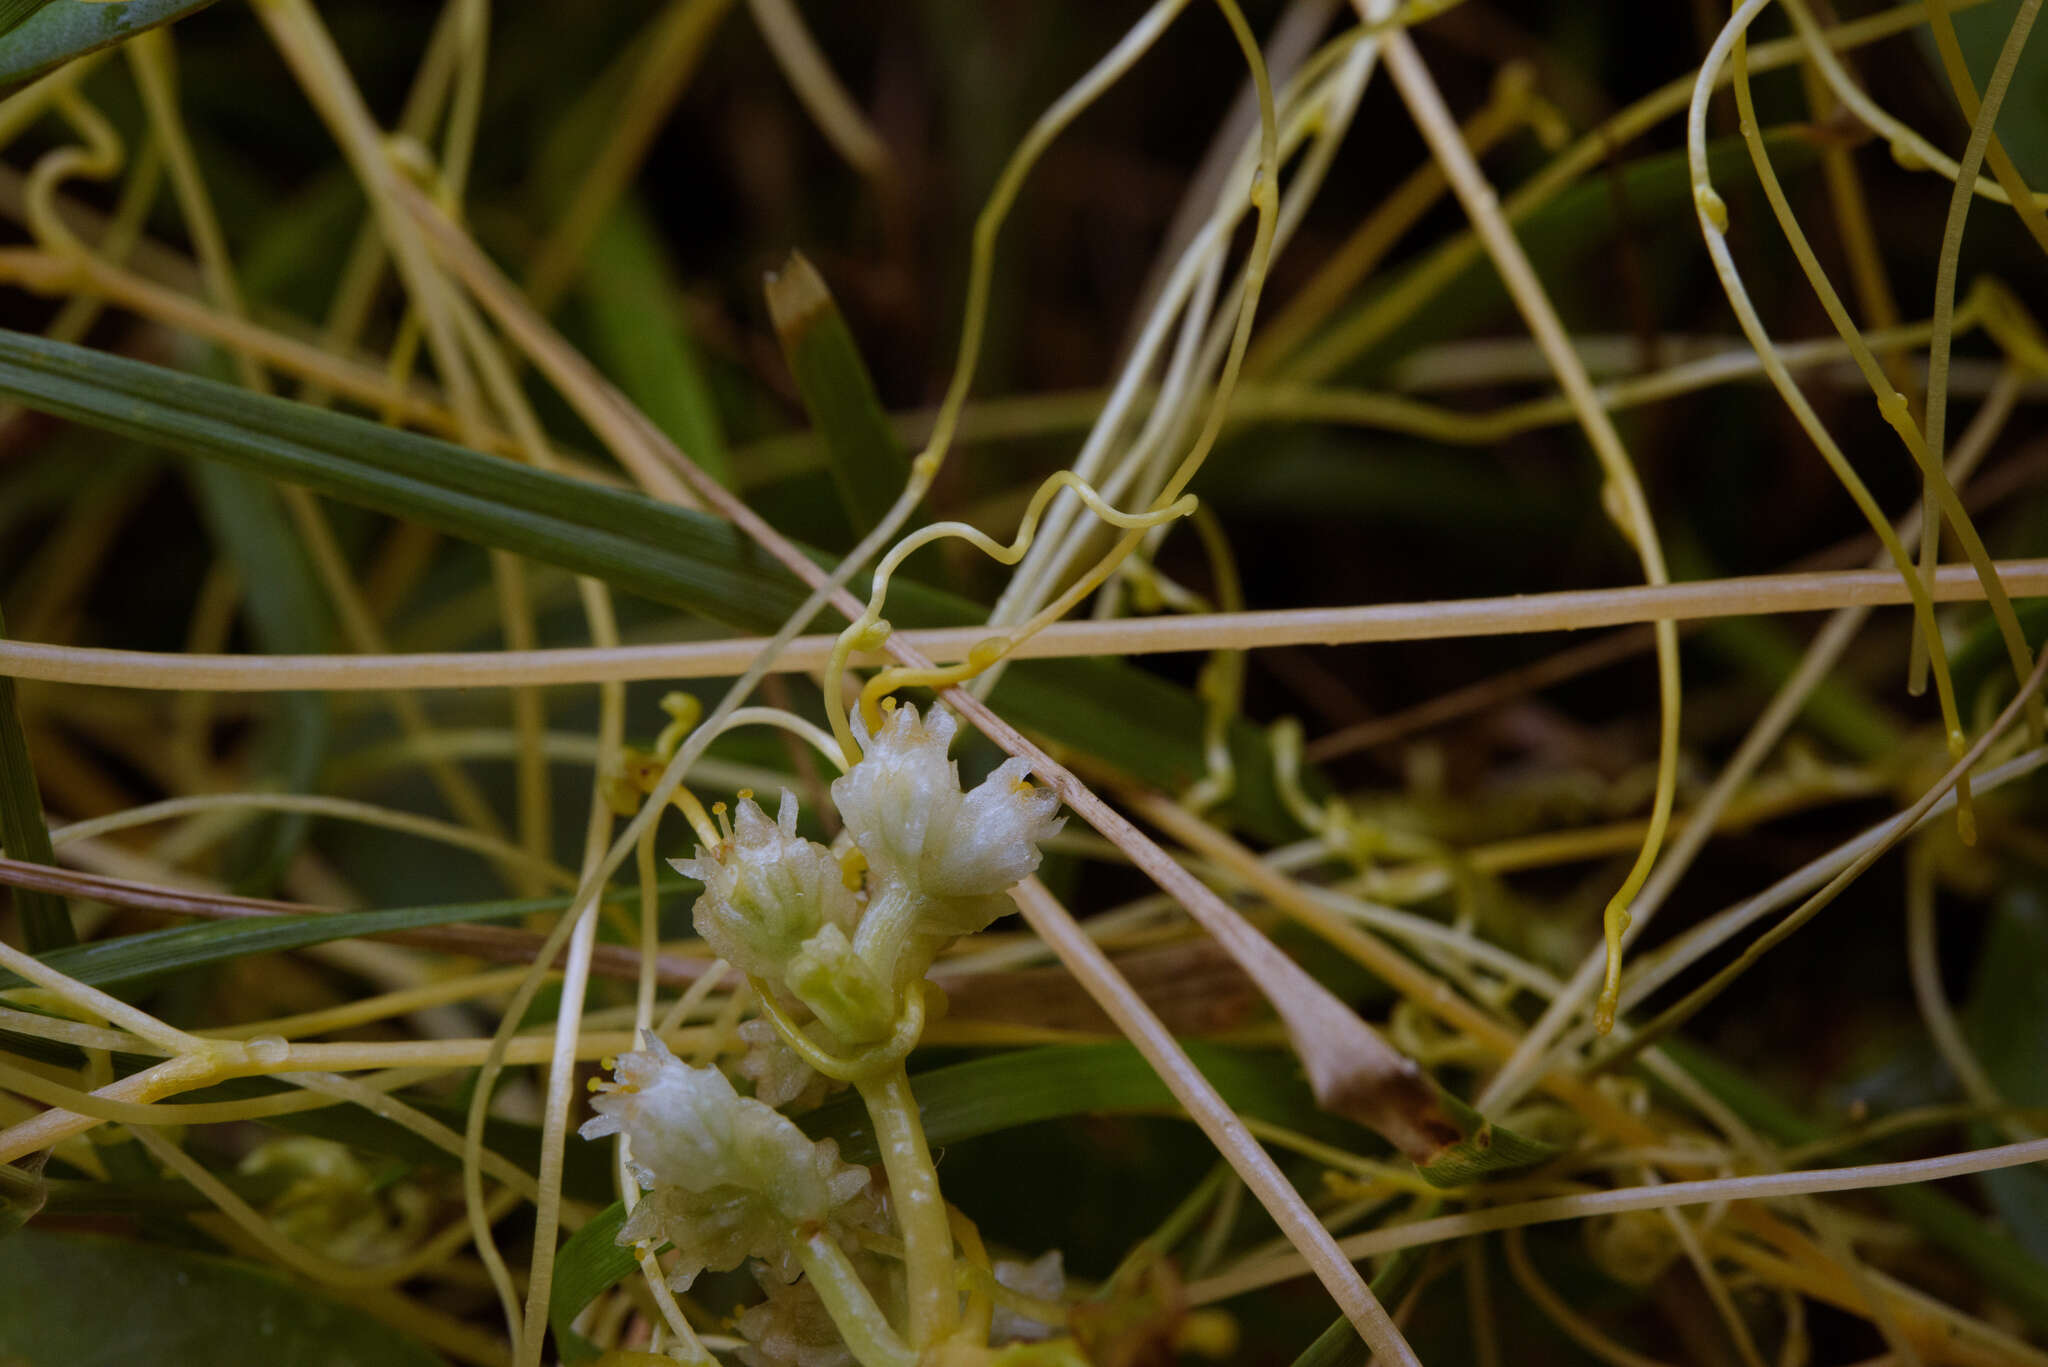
(218, 1060)
(641, 445)
(1760, 1187)
(1571, 610)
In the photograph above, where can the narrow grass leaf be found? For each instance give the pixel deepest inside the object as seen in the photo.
(640, 338)
(153, 953)
(59, 30)
(173, 1309)
(1132, 720)
(14, 12)
(2008, 1024)
(1486, 1150)
(587, 1266)
(1339, 1345)
(861, 449)
(288, 616)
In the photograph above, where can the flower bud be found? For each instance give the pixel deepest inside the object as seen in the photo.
(842, 991)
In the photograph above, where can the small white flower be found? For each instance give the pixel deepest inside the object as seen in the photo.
(728, 1177)
(903, 804)
(767, 890)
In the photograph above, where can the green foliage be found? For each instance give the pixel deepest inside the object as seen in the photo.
(640, 337)
(153, 953)
(1131, 719)
(59, 30)
(58, 1290)
(1486, 1150)
(288, 615)
(2023, 120)
(866, 461)
(2008, 1026)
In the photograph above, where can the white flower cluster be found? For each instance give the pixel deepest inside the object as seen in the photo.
(728, 1177)
(940, 863)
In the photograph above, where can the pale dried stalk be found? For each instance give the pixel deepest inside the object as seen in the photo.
(1570, 610)
(1765, 1186)
(1318, 1248)
(221, 1060)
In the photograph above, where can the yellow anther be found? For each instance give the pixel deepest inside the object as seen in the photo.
(853, 868)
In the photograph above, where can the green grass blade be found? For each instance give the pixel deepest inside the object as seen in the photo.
(587, 1266)
(174, 1309)
(866, 461)
(13, 13)
(1005, 1090)
(1130, 719)
(642, 341)
(2008, 1024)
(62, 29)
(1486, 1150)
(105, 963)
(288, 615)
(24, 833)
(1339, 1345)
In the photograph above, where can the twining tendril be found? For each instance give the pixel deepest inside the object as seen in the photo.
(869, 630)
